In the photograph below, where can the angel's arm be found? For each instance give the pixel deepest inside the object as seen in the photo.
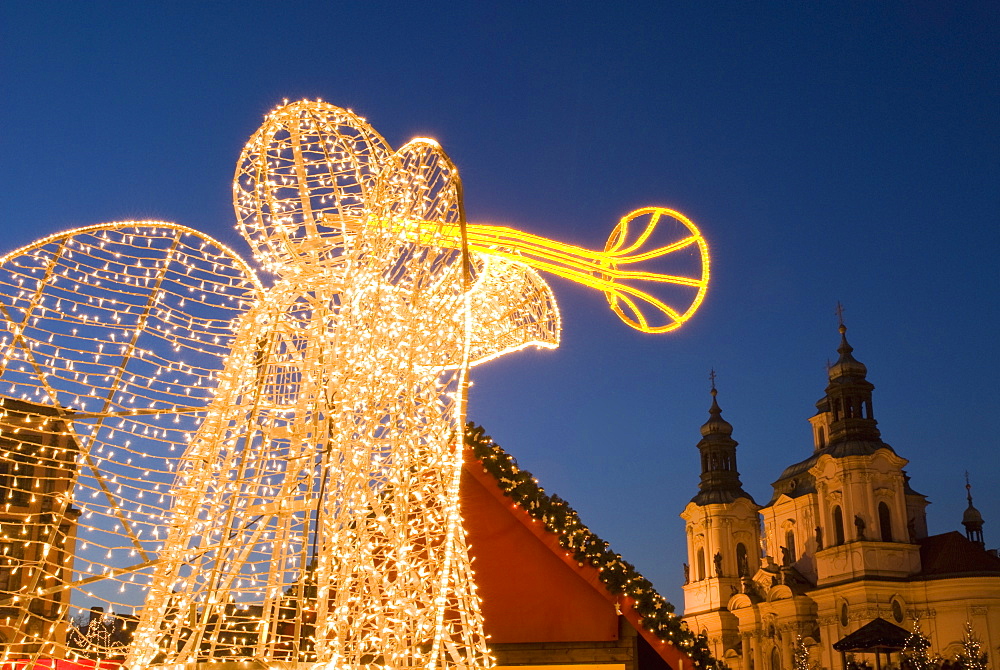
(511, 308)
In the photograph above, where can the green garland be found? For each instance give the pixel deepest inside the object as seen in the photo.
(619, 576)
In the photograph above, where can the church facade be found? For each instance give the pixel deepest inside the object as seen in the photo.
(842, 541)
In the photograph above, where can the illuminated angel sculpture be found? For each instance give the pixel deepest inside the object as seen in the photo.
(275, 471)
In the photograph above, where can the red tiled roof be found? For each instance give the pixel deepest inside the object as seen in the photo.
(951, 554)
(584, 559)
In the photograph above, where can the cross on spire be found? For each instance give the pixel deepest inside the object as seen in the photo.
(711, 376)
(840, 314)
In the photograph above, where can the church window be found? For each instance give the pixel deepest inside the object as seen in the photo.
(11, 556)
(775, 659)
(884, 522)
(838, 525)
(16, 476)
(700, 565)
(790, 545)
(821, 437)
(897, 610)
(843, 615)
(742, 564)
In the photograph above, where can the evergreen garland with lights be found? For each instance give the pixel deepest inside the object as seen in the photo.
(618, 575)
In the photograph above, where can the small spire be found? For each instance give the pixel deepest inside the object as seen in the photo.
(843, 332)
(714, 411)
(972, 519)
(715, 423)
(844, 347)
(846, 364)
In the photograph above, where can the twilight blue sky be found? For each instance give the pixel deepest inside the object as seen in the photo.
(829, 151)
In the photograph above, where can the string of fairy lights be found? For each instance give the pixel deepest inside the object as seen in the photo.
(271, 474)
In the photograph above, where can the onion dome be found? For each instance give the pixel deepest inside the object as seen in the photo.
(972, 517)
(846, 366)
(716, 425)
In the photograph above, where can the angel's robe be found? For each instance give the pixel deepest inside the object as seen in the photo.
(316, 513)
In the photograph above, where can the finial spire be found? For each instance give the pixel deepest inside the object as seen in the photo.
(715, 422)
(840, 314)
(972, 519)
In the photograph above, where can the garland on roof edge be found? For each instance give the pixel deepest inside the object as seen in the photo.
(618, 575)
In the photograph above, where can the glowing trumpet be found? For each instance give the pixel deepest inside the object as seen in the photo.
(605, 270)
(609, 270)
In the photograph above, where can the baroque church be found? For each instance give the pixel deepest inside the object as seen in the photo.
(843, 541)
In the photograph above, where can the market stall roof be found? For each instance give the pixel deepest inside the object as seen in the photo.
(876, 635)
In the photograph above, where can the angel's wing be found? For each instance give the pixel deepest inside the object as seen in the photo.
(110, 339)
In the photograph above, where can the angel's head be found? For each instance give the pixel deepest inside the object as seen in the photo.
(305, 177)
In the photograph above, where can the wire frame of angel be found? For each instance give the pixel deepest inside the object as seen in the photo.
(270, 473)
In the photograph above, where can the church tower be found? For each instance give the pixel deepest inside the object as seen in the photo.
(851, 490)
(844, 542)
(723, 536)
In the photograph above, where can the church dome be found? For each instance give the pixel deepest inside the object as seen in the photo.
(846, 365)
(716, 425)
(972, 517)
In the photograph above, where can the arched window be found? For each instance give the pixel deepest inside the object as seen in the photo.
(16, 477)
(884, 522)
(700, 565)
(775, 659)
(742, 563)
(838, 525)
(790, 544)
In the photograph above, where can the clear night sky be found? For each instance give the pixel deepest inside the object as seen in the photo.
(846, 152)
